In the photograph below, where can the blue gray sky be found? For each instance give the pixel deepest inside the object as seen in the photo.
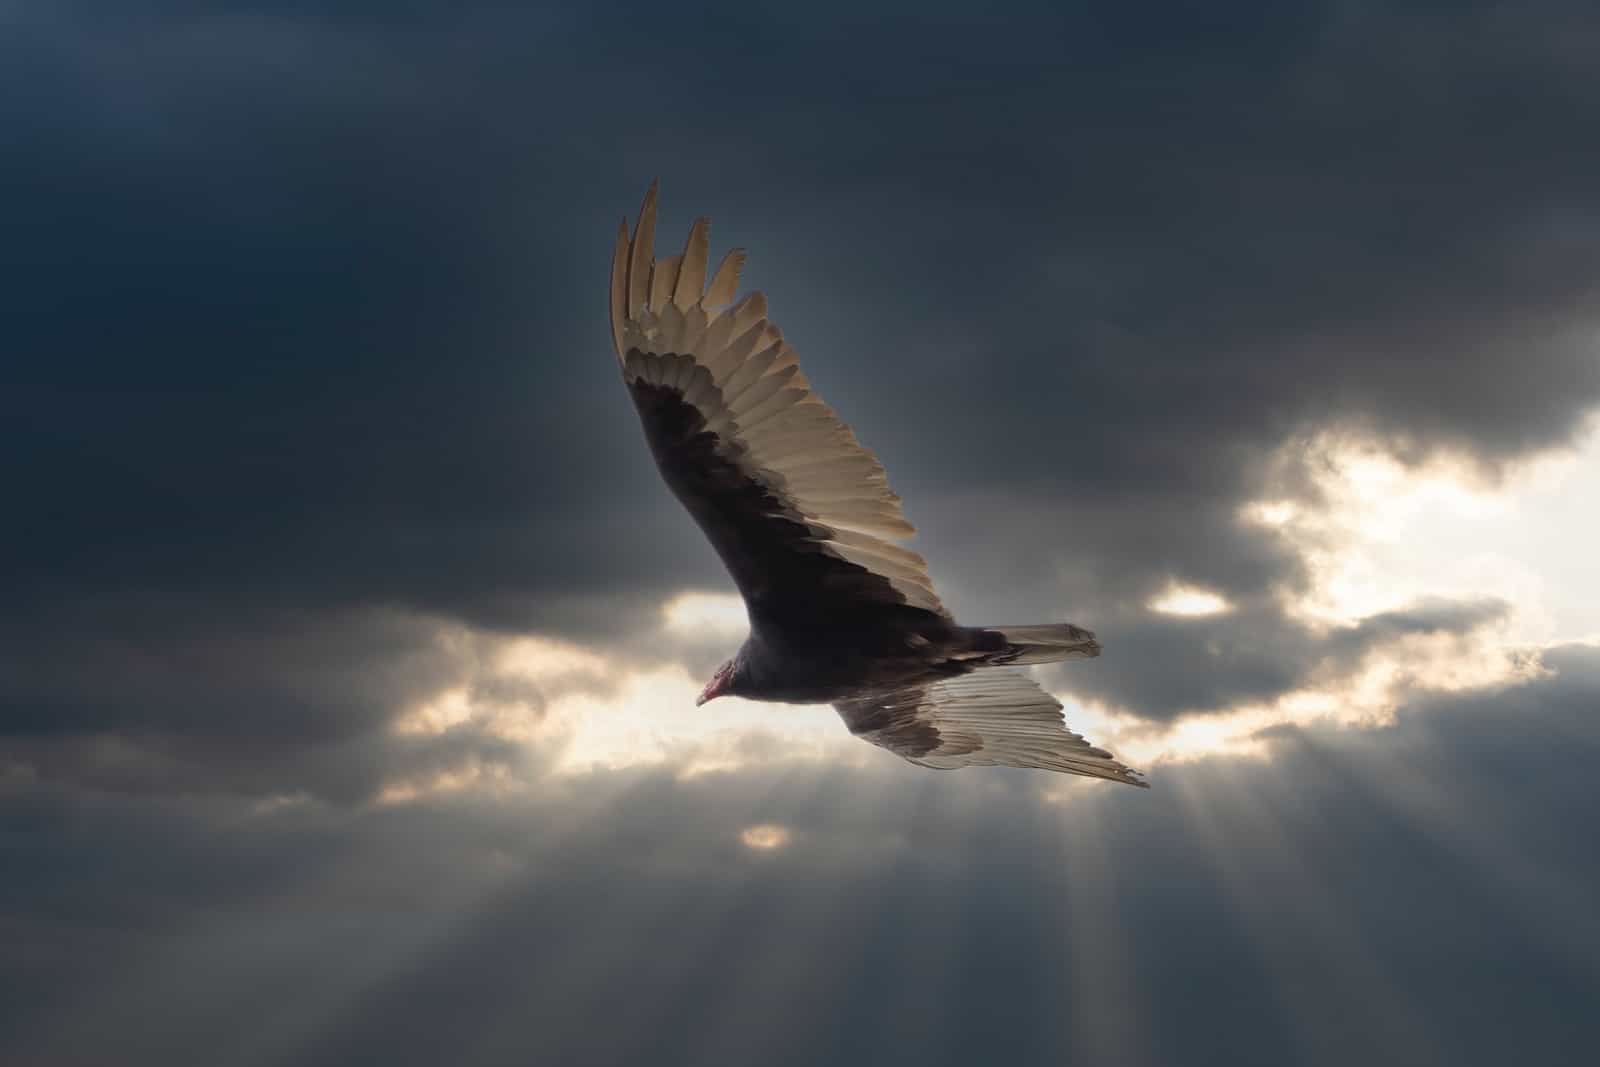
(350, 639)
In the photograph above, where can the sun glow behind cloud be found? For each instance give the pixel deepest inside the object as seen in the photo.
(1368, 696)
(1387, 537)
(1390, 535)
(597, 710)
(765, 837)
(720, 614)
(1384, 536)
(1179, 599)
(650, 717)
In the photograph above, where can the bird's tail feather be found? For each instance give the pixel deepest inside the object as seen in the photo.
(1045, 643)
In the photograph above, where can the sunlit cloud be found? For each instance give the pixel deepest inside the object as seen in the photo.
(765, 837)
(448, 709)
(1387, 534)
(475, 775)
(1381, 537)
(1385, 537)
(705, 614)
(1367, 696)
(651, 717)
(1180, 599)
(277, 802)
(1270, 512)
(587, 708)
(543, 658)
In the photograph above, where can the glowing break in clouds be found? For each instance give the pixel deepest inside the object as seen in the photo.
(1381, 537)
(1390, 535)
(766, 837)
(579, 709)
(1386, 537)
(1180, 599)
(1368, 696)
(705, 614)
(650, 718)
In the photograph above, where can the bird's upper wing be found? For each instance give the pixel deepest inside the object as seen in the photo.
(993, 716)
(800, 513)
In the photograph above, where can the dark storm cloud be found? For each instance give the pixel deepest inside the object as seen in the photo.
(203, 697)
(338, 263)
(264, 307)
(1414, 894)
(303, 306)
(303, 366)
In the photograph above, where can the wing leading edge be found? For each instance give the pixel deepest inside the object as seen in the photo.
(801, 514)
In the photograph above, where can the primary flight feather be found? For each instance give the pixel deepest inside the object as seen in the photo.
(803, 518)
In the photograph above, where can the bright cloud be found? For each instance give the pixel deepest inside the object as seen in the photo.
(1385, 537)
(701, 614)
(1390, 535)
(1368, 696)
(1180, 599)
(652, 718)
(766, 837)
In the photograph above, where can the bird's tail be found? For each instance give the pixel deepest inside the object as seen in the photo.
(1048, 643)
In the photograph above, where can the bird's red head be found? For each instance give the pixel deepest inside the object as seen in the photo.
(720, 685)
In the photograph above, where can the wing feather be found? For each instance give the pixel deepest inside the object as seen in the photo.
(990, 717)
(639, 261)
(692, 273)
(780, 484)
(781, 400)
(719, 294)
(619, 286)
(663, 283)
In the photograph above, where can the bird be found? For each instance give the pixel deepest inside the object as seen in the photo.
(802, 516)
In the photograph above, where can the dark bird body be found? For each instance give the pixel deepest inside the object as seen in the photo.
(821, 629)
(804, 520)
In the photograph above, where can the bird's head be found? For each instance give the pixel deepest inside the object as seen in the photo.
(721, 683)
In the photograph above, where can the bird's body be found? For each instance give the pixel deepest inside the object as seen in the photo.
(822, 666)
(804, 520)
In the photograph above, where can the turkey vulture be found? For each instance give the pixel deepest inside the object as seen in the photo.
(804, 520)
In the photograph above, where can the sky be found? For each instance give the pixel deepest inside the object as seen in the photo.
(350, 639)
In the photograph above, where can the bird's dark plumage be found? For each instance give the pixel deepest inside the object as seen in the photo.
(802, 516)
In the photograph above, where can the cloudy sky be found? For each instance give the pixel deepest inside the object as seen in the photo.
(349, 639)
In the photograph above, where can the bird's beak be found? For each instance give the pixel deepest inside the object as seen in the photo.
(714, 688)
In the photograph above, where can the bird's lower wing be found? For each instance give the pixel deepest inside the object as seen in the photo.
(799, 511)
(993, 716)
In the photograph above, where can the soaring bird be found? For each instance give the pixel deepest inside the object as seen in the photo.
(802, 515)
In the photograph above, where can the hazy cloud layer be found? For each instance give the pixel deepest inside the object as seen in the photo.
(1404, 895)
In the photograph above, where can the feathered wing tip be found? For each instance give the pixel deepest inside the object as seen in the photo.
(1046, 643)
(643, 288)
(671, 327)
(640, 263)
(619, 287)
(987, 718)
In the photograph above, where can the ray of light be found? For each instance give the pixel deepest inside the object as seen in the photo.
(195, 977)
(774, 946)
(1557, 913)
(1273, 885)
(1103, 1009)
